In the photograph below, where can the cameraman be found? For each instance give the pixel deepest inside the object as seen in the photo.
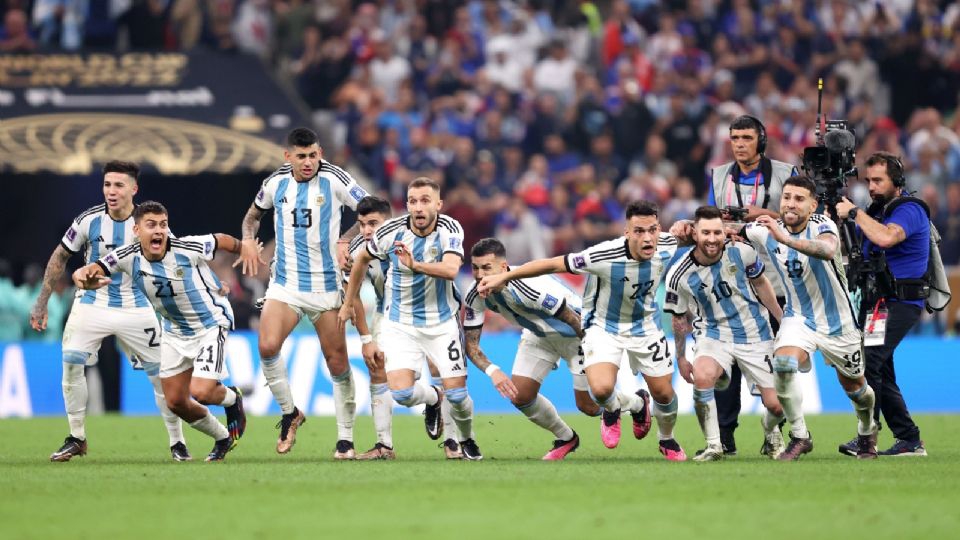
(899, 226)
(753, 183)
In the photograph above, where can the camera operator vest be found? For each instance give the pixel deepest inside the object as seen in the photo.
(727, 190)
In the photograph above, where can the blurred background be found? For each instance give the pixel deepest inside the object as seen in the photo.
(541, 118)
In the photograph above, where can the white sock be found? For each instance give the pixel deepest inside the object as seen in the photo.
(423, 395)
(769, 421)
(275, 372)
(74, 386)
(666, 415)
(791, 398)
(462, 414)
(611, 404)
(172, 421)
(541, 412)
(705, 404)
(449, 426)
(211, 426)
(230, 398)
(863, 403)
(344, 404)
(630, 402)
(381, 407)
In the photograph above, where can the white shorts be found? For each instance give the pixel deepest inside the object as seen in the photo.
(137, 331)
(405, 346)
(844, 352)
(306, 304)
(204, 353)
(538, 356)
(649, 355)
(755, 359)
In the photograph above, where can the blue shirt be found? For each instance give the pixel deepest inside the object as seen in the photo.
(743, 179)
(908, 259)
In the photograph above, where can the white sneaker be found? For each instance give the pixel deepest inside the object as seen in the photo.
(710, 453)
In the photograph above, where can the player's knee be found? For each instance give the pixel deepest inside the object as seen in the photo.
(269, 346)
(785, 363)
(178, 404)
(525, 396)
(403, 396)
(72, 372)
(204, 395)
(601, 392)
(662, 393)
(456, 396)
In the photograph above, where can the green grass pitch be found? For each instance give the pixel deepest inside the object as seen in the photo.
(127, 487)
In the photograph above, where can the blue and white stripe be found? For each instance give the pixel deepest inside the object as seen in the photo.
(531, 304)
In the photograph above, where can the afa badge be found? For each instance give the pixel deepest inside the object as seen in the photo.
(179, 273)
(434, 253)
(320, 200)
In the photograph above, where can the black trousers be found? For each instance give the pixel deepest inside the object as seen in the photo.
(882, 377)
(728, 401)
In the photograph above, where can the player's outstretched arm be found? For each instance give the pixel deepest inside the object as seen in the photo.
(683, 231)
(767, 296)
(91, 276)
(571, 318)
(824, 247)
(352, 293)
(230, 244)
(681, 327)
(535, 268)
(55, 266)
(249, 252)
(501, 382)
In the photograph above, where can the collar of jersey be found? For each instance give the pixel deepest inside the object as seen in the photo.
(698, 263)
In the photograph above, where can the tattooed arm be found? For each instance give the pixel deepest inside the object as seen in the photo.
(824, 247)
(249, 252)
(55, 266)
(500, 380)
(571, 318)
(681, 327)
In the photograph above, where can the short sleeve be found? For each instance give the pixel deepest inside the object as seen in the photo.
(756, 234)
(910, 217)
(537, 295)
(825, 226)
(202, 247)
(347, 190)
(381, 244)
(451, 238)
(119, 260)
(75, 238)
(474, 310)
(675, 300)
(753, 265)
(264, 198)
(356, 245)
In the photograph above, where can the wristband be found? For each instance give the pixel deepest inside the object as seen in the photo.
(490, 369)
(366, 338)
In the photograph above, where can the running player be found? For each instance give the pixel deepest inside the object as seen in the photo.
(818, 315)
(724, 283)
(621, 314)
(372, 212)
(307, 196)
(549, 314)
(421, 307)
(119, 310)
(174, 276)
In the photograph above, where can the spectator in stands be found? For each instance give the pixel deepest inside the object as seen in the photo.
(948, 224)
(14, 36)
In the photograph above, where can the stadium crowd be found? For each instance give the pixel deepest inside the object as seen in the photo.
(542, 118)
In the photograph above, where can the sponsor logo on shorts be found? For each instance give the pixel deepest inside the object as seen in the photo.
(357, 193)
(579, 261)
(550, 302)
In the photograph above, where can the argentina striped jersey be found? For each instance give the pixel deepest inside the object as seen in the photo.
(181, 287)
(816, 290)
(411, 298)
(530, 303)
(727, 308)
(306, 223)
(376, 270)
(96, 233)
(620, 295)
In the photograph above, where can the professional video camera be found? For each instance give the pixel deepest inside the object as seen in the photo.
(829, 164)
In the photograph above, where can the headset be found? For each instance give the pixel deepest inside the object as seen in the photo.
(895, 170)
(761, 131)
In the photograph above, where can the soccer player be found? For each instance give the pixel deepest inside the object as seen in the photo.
(372, 212)
(173, 274)
(119, 310)
(421, 307)
(621, 314)
(724, 283)
(818, 314)
(307, 196)
(549, 314)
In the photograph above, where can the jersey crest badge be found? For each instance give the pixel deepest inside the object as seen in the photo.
(320, 200)
(732, 270)
(433, 252)
(179, 273)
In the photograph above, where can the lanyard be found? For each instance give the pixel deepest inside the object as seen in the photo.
(736, 186)
(876, 309)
